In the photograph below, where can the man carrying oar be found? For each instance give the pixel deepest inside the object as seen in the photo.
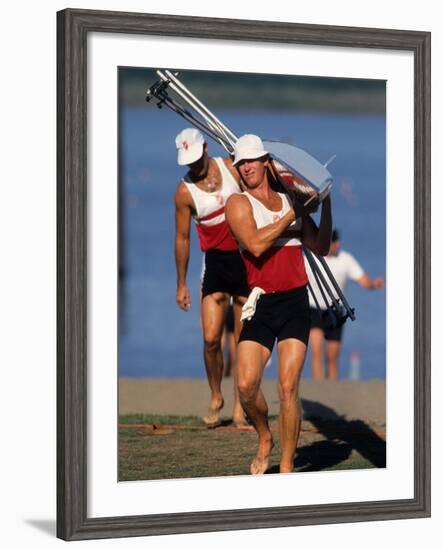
(202, 195)
(270, 230)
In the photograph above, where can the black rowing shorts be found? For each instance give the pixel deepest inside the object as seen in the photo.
(279, 315)
(224, 271)
(319, 320)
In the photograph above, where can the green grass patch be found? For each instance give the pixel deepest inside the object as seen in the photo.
(191, 453)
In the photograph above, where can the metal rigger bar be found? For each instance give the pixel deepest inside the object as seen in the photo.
(203, 119)
(199, 118)
(170, 78)
(350, 311)
(338, 311)
(208, 115)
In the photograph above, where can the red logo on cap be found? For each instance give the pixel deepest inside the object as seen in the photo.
(185, 145)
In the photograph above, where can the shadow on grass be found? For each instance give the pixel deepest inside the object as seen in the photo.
(321, 455)
(342, 437)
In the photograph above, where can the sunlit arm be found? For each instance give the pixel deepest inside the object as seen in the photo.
(182, 237)
(318, 239)
(182, 248)
(182, 245)
(239, 215)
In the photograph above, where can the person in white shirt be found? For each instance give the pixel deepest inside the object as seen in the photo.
(343, 267)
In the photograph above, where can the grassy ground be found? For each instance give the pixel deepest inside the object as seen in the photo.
(171, 447)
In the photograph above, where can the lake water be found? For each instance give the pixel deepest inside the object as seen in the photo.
(159, 340)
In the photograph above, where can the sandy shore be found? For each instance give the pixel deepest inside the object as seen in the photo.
(354, 400)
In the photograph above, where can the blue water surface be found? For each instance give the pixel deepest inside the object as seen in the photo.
(159, 340)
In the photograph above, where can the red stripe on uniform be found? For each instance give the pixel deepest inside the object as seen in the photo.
(216, 236)
(212, 215)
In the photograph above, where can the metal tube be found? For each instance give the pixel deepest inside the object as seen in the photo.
(332, 280)
(315, 299)
(196, 104)
(180, 93)
(310, 289)
(177, 108)
(337, 288)
(214, 127)
(313, 269)
(320, 279)
(201, 104)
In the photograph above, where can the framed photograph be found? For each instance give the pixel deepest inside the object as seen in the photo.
(134, 455)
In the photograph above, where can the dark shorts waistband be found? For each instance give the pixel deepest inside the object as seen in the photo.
(218, 252)
(292, 292)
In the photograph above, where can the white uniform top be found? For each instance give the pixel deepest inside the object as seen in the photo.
(208, 202)
(263, 216)
(343, 267)
(210, 218)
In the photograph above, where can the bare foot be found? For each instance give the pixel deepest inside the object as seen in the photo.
(260, 463)
(212, 419)
(239, 420)
(240, 423)
(238, 417)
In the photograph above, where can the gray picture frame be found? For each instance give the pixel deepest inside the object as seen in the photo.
(73, 27)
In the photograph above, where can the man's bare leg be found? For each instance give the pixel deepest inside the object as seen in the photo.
(250, 365)
(224, 344)
(213, 313)
(291, 360)
(333, 350)
(238, 413)
(316, 341)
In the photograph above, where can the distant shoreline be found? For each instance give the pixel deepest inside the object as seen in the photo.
(270, 92)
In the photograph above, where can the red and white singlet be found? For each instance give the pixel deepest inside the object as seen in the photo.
(210, 219)
(281, 267)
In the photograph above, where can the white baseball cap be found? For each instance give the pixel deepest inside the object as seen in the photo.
(250, 147)
(189, 144)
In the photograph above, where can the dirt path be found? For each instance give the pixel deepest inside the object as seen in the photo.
(353, 400)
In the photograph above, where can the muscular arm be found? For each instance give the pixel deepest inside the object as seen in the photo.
(239, 215)
(317, 239)
(182, 244)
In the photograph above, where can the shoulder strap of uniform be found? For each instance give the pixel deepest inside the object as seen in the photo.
(186, 178)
